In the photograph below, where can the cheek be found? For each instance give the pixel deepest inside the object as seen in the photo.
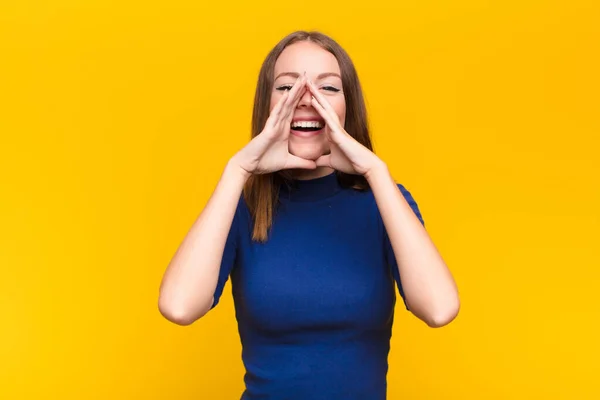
(340, 109)
(275, 96)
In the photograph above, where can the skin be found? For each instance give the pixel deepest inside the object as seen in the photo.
(310, 59)
(187, 288)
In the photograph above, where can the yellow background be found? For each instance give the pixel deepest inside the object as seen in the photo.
(116, 119)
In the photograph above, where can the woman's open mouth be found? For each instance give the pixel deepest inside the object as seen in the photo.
(307, 128)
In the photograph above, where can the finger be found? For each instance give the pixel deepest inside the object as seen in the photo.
(333, 123)
(320, 98)
(280, 110)
(324, 161)
(278, 107)
(296, 94)
(293, 107)
(293, 92)
(274, 116)
(297, 162)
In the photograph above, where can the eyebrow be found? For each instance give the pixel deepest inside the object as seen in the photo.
(320, 76)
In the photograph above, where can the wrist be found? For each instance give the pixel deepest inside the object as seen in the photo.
(233, 167)
(378, 168)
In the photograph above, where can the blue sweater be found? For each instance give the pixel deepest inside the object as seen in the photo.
(315, 303)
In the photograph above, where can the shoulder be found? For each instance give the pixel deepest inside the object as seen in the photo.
(242, 214)
(408, 196)
(411, 202)
(242, 206)
(405, 192)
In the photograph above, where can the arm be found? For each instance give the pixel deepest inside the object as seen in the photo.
(188, 285)
(429, 288)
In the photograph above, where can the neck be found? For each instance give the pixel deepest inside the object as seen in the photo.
(306, 174)
(316, 186)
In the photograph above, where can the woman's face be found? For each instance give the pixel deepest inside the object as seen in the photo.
(323, 70)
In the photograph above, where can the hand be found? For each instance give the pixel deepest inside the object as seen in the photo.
(268, 151)
(347, 154)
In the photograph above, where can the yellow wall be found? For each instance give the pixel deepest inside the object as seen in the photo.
(116, 119)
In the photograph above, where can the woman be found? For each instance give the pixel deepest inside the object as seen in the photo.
(314, 233)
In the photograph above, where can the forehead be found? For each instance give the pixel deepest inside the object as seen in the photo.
(306, 56)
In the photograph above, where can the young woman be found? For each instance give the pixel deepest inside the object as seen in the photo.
(315, 234)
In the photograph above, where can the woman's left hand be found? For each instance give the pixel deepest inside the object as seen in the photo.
(347, 154)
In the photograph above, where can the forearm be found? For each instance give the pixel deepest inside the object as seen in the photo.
(189, 282)
(429, 288)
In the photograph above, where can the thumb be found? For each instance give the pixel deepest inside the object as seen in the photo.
(324, 161)
(297, 162)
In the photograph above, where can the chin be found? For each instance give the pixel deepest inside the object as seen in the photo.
(308, 151)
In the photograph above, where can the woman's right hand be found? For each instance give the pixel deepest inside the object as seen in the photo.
(269, 151)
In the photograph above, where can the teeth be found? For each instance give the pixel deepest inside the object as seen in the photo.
(307, 124)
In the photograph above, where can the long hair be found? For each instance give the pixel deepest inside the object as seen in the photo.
(261, 191)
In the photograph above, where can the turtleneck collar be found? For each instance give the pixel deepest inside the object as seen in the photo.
(311, 189)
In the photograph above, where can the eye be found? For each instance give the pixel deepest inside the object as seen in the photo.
(331, 88)
(284, 87)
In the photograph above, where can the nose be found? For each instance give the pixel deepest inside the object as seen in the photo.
(305, 100)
